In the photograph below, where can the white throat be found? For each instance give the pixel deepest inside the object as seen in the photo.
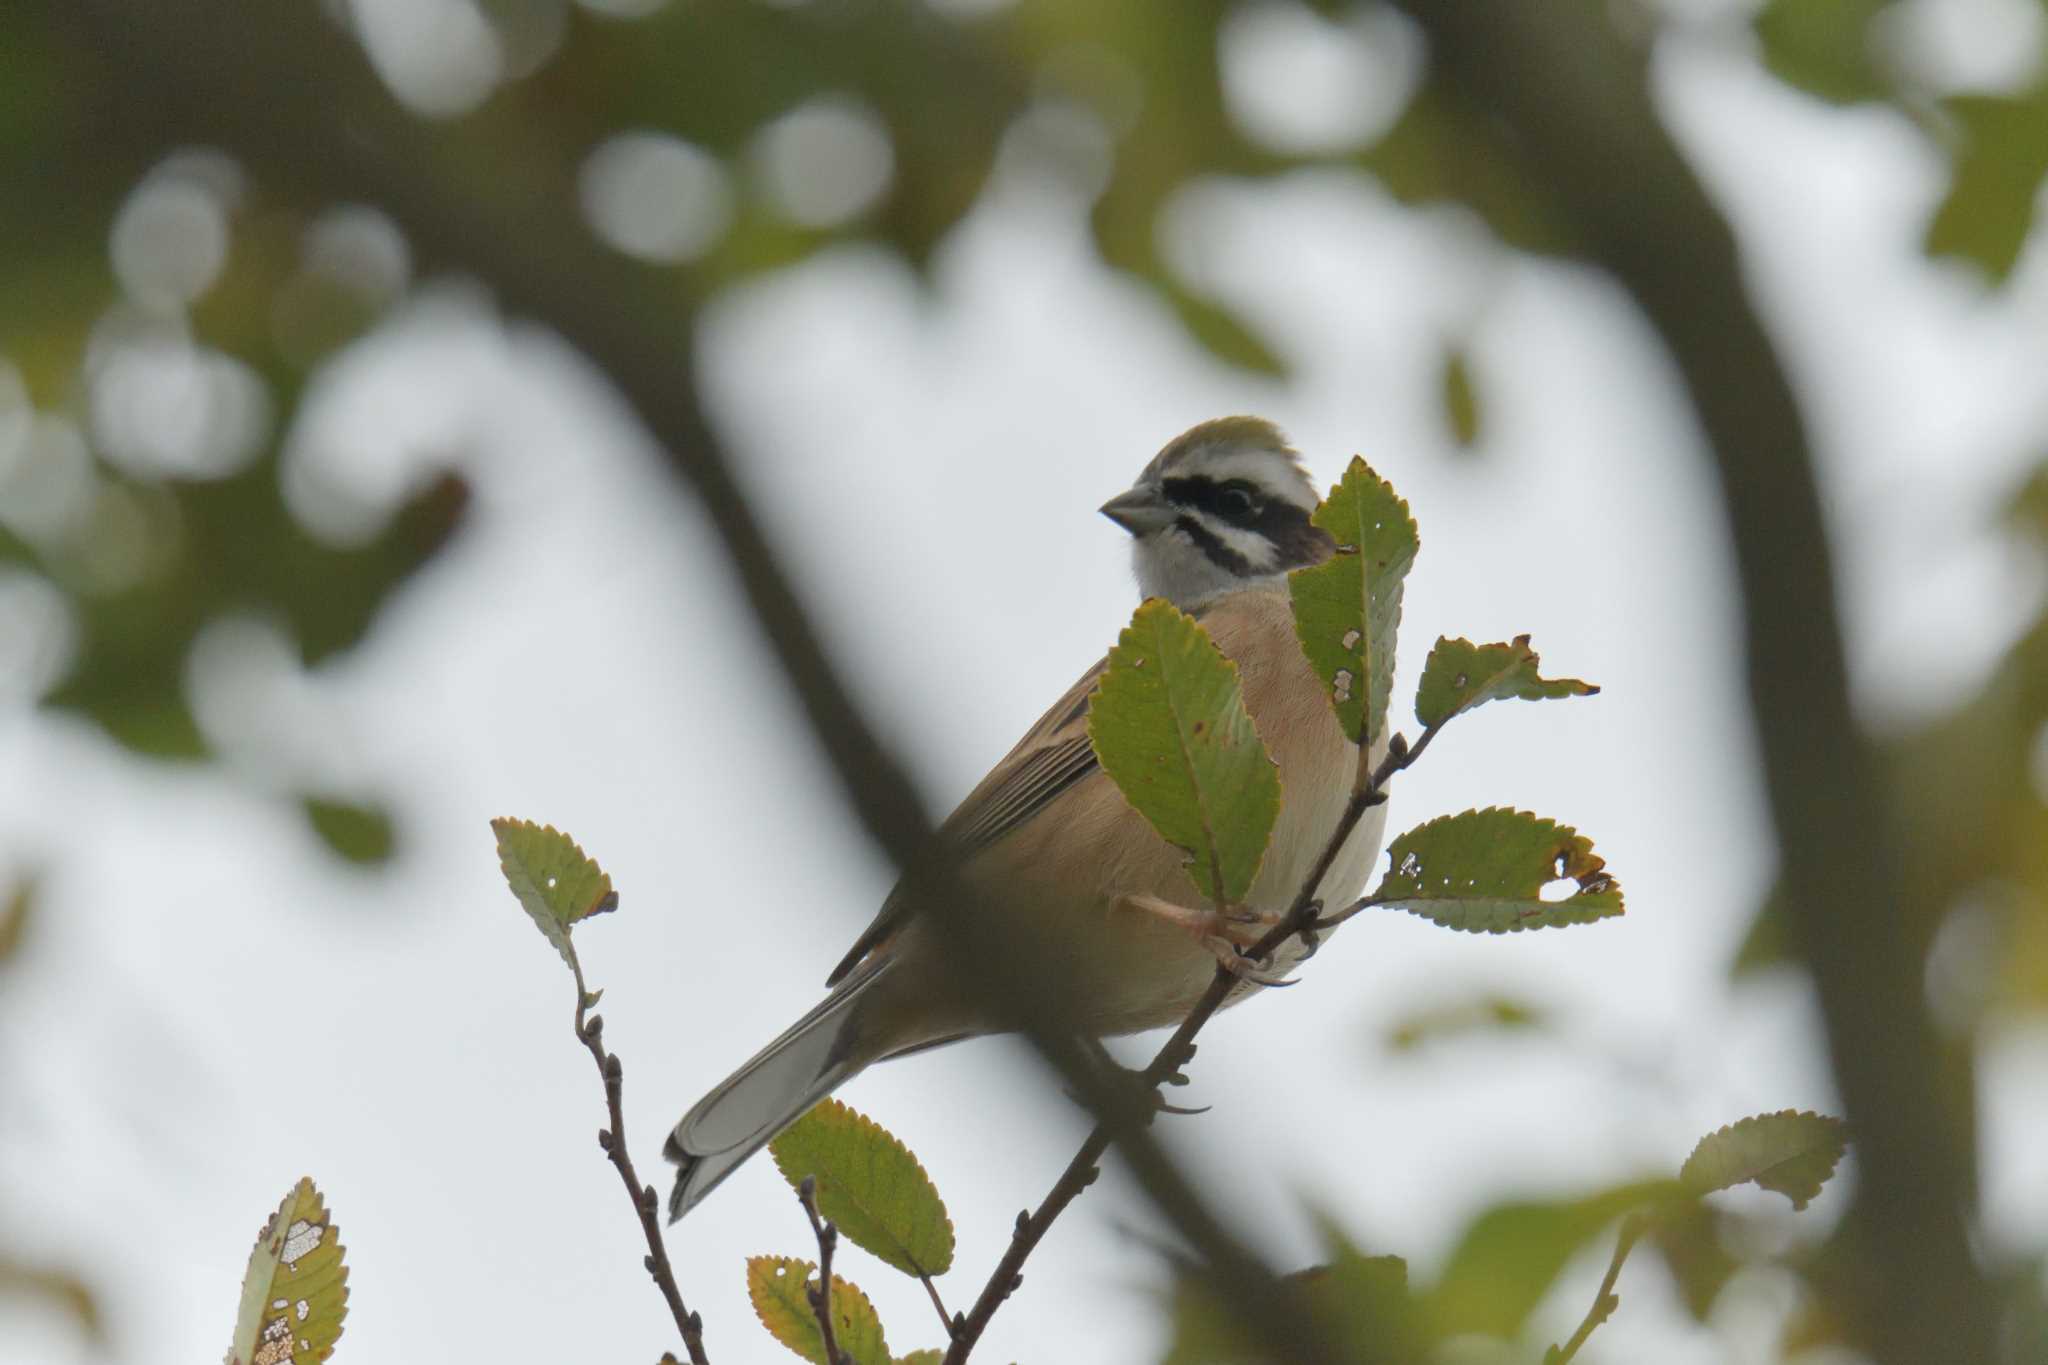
(1170, 565)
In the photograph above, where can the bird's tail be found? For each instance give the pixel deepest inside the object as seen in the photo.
(773, 1090)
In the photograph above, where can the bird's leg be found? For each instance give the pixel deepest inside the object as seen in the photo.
(1119, 1076)
(1227, 936)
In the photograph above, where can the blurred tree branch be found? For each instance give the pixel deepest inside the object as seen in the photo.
(1577, 100)
(293, 98)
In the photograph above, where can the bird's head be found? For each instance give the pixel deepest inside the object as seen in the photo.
(1224, 506)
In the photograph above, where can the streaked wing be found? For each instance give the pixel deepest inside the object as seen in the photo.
(1053, 755)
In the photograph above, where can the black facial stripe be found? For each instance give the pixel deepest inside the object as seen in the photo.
(1296, 540)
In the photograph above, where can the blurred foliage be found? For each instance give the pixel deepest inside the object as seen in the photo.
(164, 315)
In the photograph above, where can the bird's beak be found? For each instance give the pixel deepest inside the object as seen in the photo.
(1139, 511)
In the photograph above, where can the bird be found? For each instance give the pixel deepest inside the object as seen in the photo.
(1217, 520)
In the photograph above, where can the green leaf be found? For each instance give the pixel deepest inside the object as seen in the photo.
(553, 878)
(14, 917)
(1363, 1299)
(1511, 1254)
(1169, 726)
(1222, 333)
(1823, 47)
(1485, 871)
(1691, 1239)
(1347, 610)
(1989, 212)
(1459, 396)
(361, 834)
(295, 1293)
(1461, 675)
(1791, 1152)
(778, 1287)
(870, 1185)
(1454, 1020)
(928, 1356)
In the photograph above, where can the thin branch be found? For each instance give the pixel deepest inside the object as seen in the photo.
(1604, 1301)
(828, 1242)
(945, 1318)
(590, 1028)
(1368, 790)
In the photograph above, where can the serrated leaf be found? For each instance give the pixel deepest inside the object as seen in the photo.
(928, 1356)
(295, 1293)
(1347, 610)
(870, 1185)
(361, 834)
(1459, 396)
(1461, 675)
(778, 1287)
(553, 878)
(1790, 1152)
(1169, 726)
(1511, 1254)
(1485, 872)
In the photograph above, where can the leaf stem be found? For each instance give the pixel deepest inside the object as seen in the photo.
(828, 1241)
(1605, 1301)
(590, 1028)
(1302, 917)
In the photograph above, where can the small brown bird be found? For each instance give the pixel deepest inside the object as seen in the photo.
(1217, 520)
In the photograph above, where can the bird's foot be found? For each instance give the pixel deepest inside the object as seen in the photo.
(1228, 937)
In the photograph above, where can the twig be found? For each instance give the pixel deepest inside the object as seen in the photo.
(590, 1028)
(828, 1241)
(945, 1318)
(1368, 790)
(1605, 1301)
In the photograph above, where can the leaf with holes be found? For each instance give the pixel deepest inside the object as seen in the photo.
(1347, 610)
(779, 1288)
(870, 1185)
(1169, 726)
(295, 1292)
(1461, 675)
(554, 879)
(1485, 872)
(1791, 1152)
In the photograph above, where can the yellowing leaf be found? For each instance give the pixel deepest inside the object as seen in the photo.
(870, 1185)
(295, 1293)
(1791, 1152)
(553, 878)
(1169, 726)
(1347, 610)
(1486, 871)
(778, 1287)
(1461, 675)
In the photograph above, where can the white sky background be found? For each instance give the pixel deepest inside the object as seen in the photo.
(213, 1009)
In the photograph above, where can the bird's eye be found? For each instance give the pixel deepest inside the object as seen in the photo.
(1234, 502)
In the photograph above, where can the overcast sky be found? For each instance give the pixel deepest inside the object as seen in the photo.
(214, 1009)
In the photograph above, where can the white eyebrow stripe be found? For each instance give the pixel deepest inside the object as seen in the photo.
(1272, 473)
